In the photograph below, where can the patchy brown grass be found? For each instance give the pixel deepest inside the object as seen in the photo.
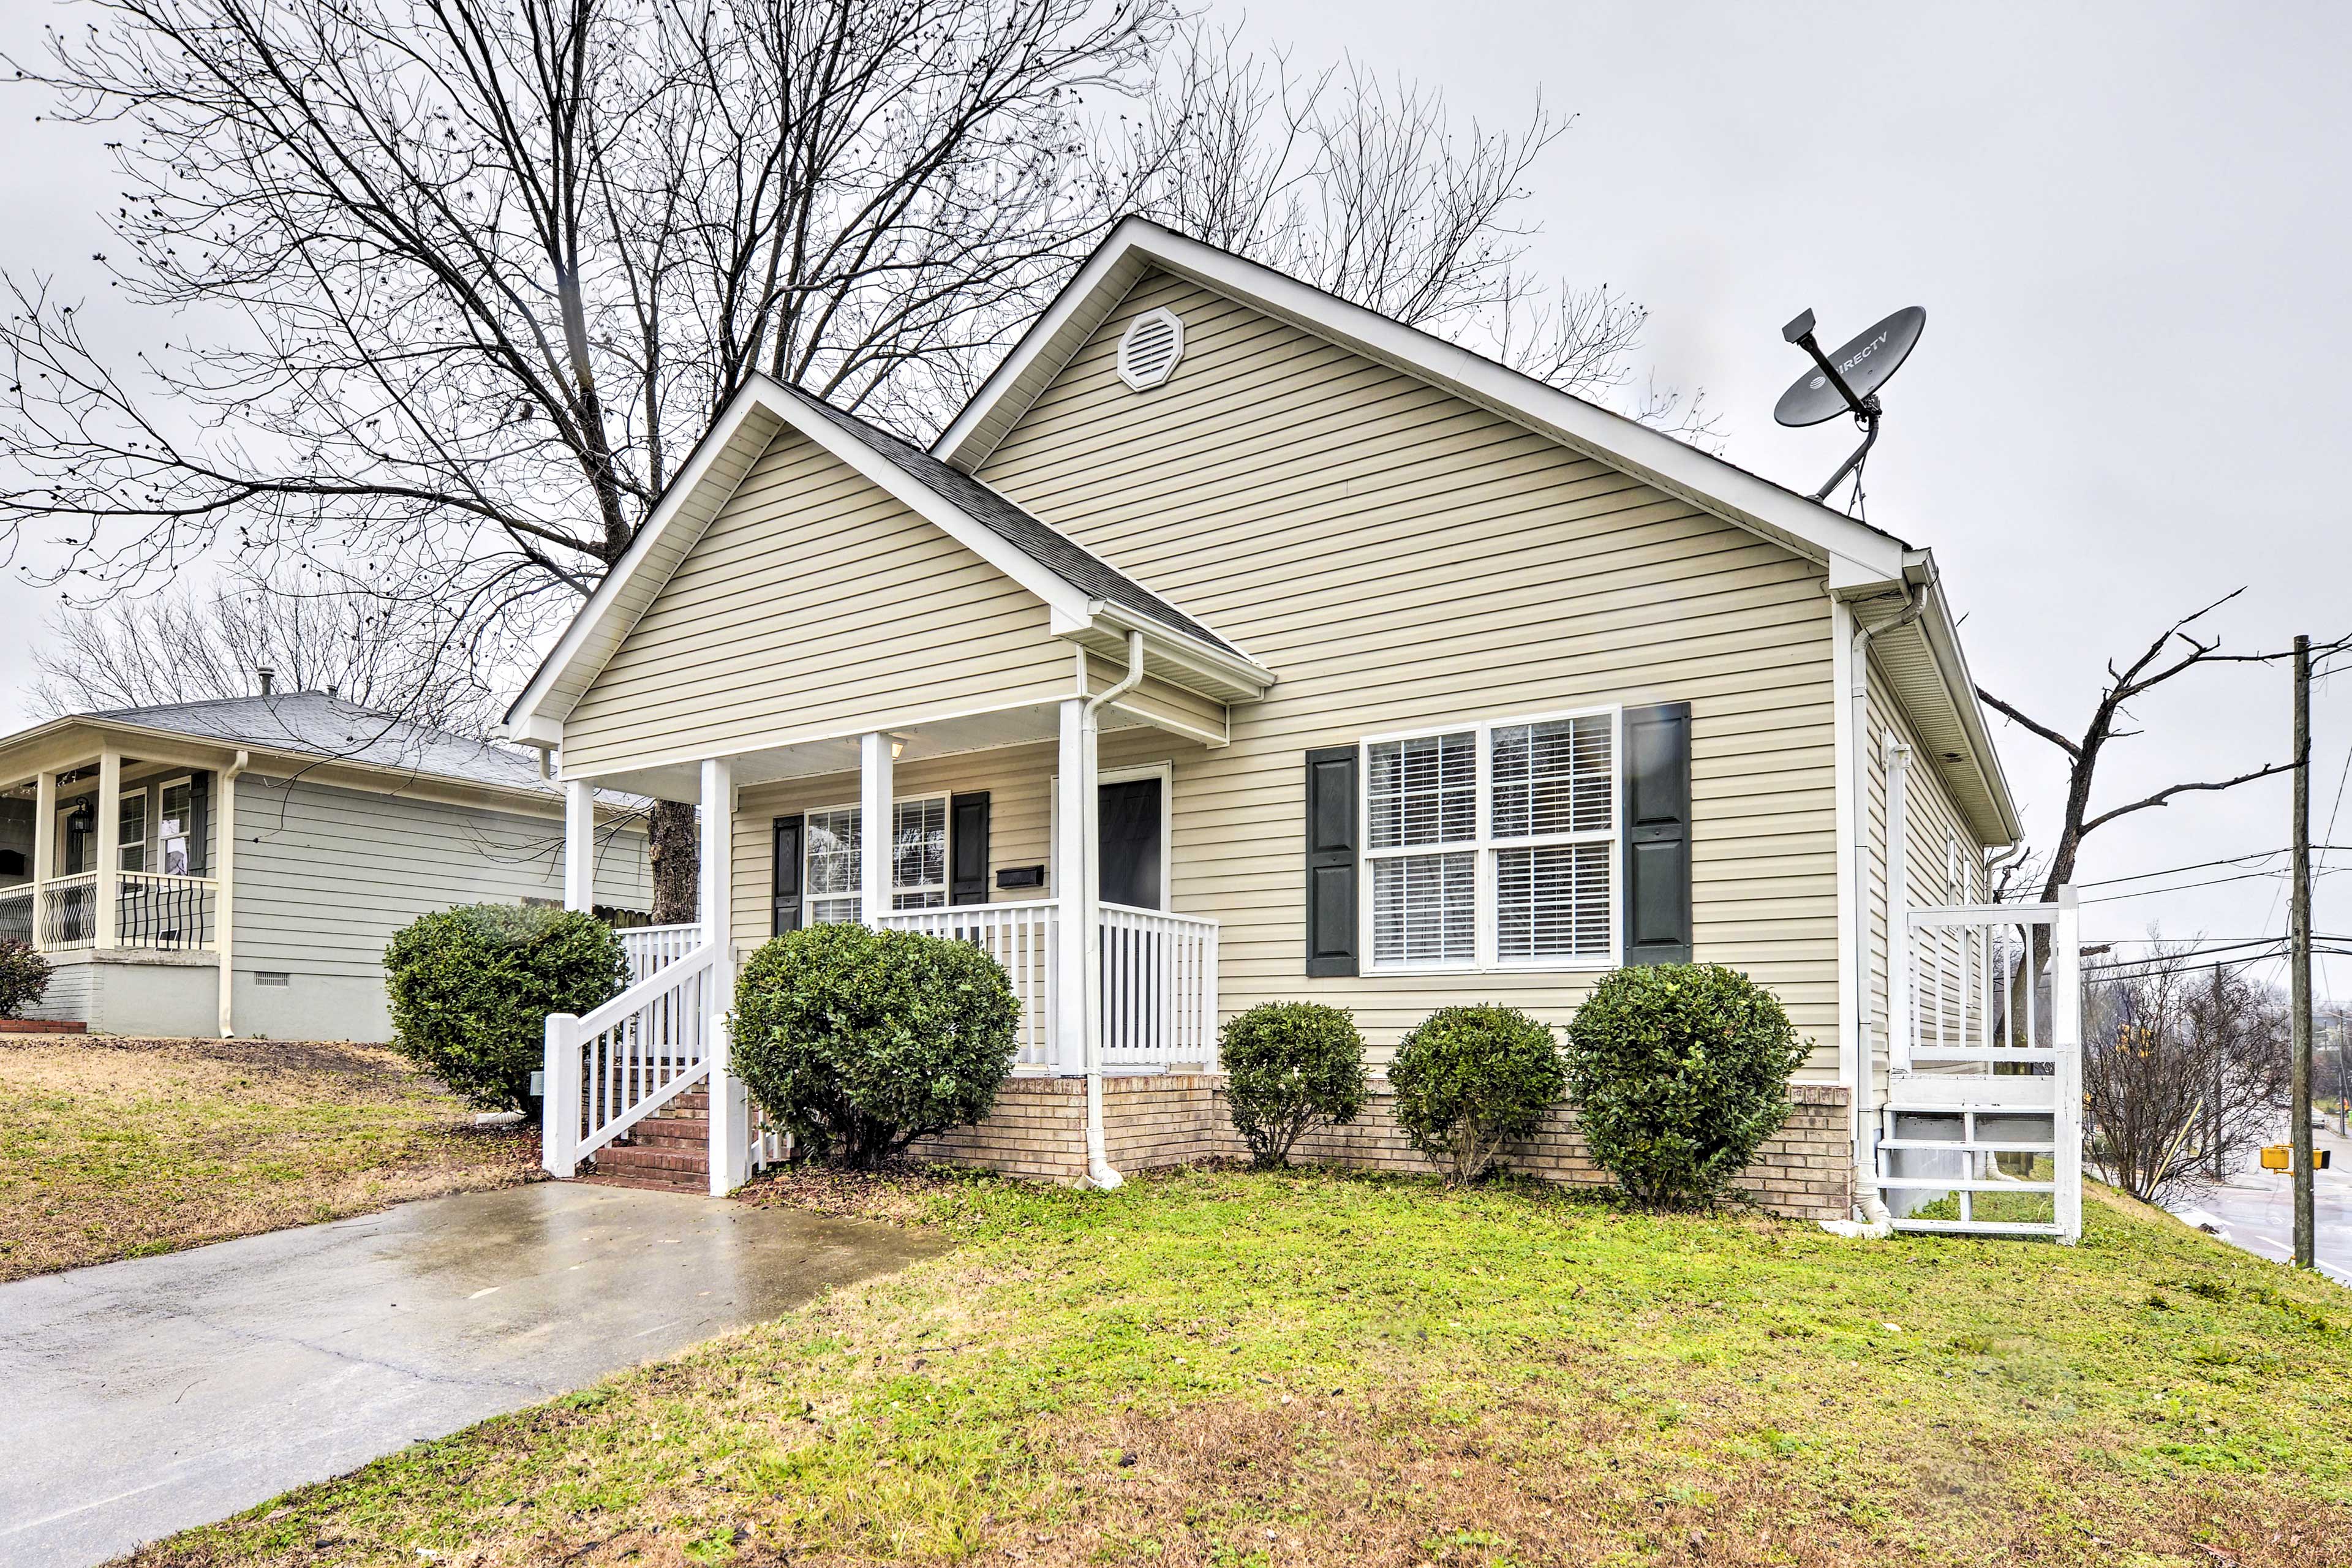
(120, 1148)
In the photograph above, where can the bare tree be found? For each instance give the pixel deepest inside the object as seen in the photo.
(188, 644)
(1363, 189)
(2183, 1068)
(465, 279)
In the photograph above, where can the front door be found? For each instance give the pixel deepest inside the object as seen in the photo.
(1128, 843)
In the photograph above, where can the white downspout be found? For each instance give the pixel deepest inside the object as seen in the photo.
(224, 828)
(1088, 894)
(1866, 1075)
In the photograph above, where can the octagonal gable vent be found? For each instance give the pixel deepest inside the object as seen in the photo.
(1148, 349)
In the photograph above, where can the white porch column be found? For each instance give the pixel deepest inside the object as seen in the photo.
(876, 826)
(1073, 870)
(730, 1106)
(109, 843)
(579, 844)
(224, 869)
(45, 848)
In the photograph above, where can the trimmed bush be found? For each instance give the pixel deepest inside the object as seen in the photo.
(1469, 1080)
(1289, 1065)
(1680, 1072)
(471, 989)
(862, 1041)
(24, 978)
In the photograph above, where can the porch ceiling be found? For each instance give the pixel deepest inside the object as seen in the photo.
(1024, 726)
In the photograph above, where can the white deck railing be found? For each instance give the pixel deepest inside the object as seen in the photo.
(1985, 1015)
(1159, 979)
(609, 1069)
(1159, 988)
(651, 947)
(1026, 939)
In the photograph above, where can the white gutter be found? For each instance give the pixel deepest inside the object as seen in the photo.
(1865, 1073)
(223, 923)
(1087, 896)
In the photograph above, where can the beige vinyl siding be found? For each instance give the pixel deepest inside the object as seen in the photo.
(1016, 778)
(1932, 821)
(1402, 559)
(815, 604)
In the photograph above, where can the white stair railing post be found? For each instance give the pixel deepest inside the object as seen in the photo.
(730, 1155)
(559, 1107)
(2066, 1035)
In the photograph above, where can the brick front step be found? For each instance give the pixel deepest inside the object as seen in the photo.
(637, 1159)
(650, 1185)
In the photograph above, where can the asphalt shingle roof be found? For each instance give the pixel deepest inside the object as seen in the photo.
(1041, 542)
(316, 724)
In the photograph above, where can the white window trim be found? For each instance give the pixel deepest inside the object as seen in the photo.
(164, 786)
(1486, 907)
(144, 795)
(809, 899)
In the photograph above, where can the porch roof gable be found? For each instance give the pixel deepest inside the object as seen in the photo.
(1091, 600)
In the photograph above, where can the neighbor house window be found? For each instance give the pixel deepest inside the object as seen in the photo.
(919, 860)
(1494, 845)
(130, 832)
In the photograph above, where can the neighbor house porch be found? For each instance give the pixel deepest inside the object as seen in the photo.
(111, 865)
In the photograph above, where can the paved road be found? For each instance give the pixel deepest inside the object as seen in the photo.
(149, 1396)
(2258, 1208)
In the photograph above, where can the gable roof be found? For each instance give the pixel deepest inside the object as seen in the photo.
(1864, 563)
(1091, 602)
(1048, 547)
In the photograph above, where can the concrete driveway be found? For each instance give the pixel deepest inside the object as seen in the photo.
(149, 1396)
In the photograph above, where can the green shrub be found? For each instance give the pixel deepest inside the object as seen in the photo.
(471, 989)
(1680, 1071)
(1289, 1065)
(24, 977)
(1469, 1080)
(861, 1041)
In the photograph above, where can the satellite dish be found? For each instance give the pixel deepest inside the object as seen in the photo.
(1863, 365)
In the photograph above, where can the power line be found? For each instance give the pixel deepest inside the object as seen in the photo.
(2205, 864)
(2210, 882)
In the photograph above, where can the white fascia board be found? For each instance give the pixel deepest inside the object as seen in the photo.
(1180, 648)
(1951, 662)
(1705, 481)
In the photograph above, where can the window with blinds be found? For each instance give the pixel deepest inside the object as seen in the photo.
(830, 883)
(918, 854)
(1495, 844)
(918, 859)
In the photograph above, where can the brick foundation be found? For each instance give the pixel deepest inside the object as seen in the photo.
(1038, 1130)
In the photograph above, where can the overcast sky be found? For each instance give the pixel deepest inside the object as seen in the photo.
(2127, 224)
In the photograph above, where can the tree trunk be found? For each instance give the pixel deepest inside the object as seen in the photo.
(673, 846)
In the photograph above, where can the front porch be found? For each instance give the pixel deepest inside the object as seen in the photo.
(1006, 831)
(106, 869)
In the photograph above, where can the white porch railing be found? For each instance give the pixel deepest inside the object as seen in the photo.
(651, 947)
(1986, 1032)
(1026, 939)
(1159, 988)
(1159, 979)
(609, 1069)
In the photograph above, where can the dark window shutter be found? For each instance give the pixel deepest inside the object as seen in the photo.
(199, 823)
(787, 899)
(968, 848)
(1331, 861)
(1657, 834)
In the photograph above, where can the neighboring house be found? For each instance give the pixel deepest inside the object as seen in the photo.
(236, 866)
(1301, 654)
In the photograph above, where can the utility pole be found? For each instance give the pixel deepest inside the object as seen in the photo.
(2300, 964)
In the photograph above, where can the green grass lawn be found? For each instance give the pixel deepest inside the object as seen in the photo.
(113, 1148)
(1237, 1369)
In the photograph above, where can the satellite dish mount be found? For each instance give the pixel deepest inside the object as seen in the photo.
(1848, 382)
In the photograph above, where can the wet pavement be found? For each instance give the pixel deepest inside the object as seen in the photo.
(149, 1396)
(2256, 1208)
